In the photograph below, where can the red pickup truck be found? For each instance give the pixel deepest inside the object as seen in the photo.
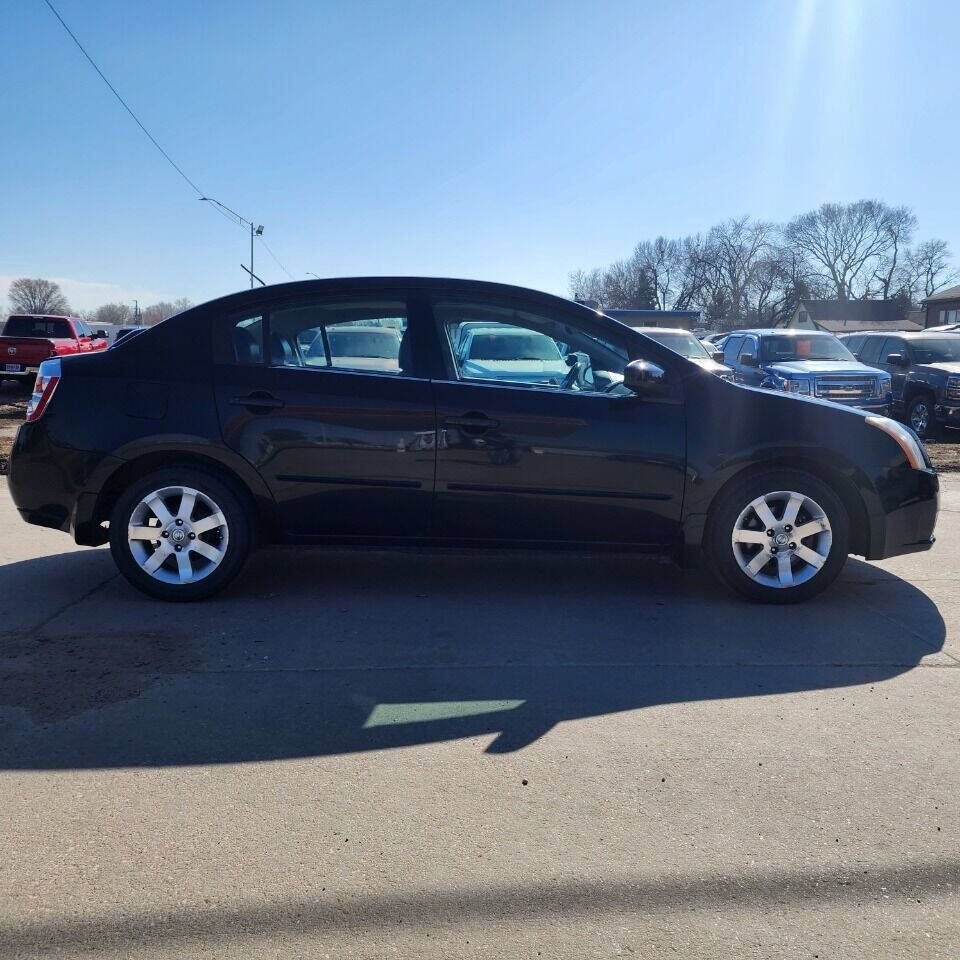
(26, 341)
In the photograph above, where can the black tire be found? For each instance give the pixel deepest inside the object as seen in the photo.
(921, 403)
(726, 510)
(238, 534)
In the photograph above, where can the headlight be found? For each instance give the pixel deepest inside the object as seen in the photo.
(798, 386)
(907, 439)
(884, 386)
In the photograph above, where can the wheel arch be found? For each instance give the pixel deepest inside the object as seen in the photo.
(835, 478)
(251, 490)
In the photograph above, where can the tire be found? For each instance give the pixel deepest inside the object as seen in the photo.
(819, 510)
(920, 417)
(194, 572)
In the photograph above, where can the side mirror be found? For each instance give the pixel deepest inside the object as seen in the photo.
(570, 360)
(646, 379)
(102, 334)
(718, 356)
(747, 360)
(897, 360)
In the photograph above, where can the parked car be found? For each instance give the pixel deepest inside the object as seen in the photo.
(944, 328)
(687, 345)
(26, 341)
(511, 353)
(925, 370)
(188, 443)
(806, 363)
(122, 332)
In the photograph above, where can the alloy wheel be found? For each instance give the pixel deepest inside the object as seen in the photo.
(919, 418)
(178, 535)
(782, 539)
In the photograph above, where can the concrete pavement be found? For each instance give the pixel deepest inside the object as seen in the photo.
(372, 754)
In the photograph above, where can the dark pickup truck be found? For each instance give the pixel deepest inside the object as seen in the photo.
(925, 369)
(27, 340)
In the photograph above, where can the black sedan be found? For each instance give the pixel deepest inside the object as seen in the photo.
(341, 411)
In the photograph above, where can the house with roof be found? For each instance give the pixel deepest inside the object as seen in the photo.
(942, 307)
(850, 316)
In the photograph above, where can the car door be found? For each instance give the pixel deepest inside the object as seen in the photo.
(731, 354)
(898, 372)
(326, 397)
(753, 376)
(869, 353)
(567, 455)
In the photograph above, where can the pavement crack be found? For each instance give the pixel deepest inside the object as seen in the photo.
(72, 603)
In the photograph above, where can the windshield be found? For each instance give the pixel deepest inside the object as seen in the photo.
(375, 344)
(686, 344)
(513, 346)
(936, 351)
(787, 348)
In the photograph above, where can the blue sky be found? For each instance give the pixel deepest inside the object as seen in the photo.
(513, 141)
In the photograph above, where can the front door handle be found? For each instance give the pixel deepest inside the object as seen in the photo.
(472, 423)
(260, 400)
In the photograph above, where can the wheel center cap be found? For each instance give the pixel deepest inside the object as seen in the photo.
(178, 535)
(781, 539)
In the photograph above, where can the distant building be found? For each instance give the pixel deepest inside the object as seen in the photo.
(942, 307)
(685, 319)
(849, 316)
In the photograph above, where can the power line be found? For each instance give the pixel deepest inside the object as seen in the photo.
(123, 102)
(223, 210)
(275, 260)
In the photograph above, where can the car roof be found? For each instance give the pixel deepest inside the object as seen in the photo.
(439, 284)
(663, 330)
(905, 334)
(784, 331)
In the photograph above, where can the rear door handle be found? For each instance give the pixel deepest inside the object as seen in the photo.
(472, 423)
(258, 401)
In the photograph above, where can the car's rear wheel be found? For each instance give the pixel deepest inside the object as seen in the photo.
(179, 534)
(778, 537)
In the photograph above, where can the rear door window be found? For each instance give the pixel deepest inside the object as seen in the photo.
(870, 352)
(362, 336)
(853, 344)
(37, 327)
(731, 348)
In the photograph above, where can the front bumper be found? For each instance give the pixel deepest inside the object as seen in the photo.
(909, 501)
(947, 414)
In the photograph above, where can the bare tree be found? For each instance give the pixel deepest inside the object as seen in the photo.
(844, 241)
(660, 261)
(38, 296)
(112, 313)
(927, 269)
(164, 309)
(900, 224)
(586, 285)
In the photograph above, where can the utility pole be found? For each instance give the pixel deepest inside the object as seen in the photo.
(255, 231)
(136, 313)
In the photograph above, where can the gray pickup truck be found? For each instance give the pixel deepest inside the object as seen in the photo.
(925, 370)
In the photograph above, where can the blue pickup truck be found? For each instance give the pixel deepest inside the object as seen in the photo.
(808, 363)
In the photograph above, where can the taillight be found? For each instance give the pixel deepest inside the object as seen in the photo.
(48, 376)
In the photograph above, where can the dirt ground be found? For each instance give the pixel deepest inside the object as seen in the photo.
(945, 454)
(13, 408)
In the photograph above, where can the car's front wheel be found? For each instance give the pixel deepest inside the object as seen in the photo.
(778, 537)
(179, 534)
(920, 417)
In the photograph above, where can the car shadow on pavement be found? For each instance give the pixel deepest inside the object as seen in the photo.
(315, 653)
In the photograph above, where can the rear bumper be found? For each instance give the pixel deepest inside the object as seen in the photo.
(910, 500)
(55, 486)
